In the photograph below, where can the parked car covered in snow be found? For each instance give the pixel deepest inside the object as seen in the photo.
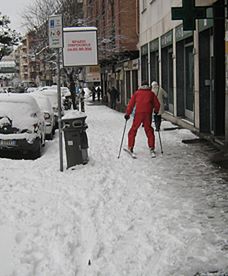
(48, 113)
(22, 126)
(53, 97)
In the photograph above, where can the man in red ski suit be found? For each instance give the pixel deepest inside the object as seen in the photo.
(144, 102)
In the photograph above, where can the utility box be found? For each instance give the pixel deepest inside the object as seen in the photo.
(76, 141)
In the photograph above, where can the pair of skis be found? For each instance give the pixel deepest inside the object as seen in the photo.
(132, 154)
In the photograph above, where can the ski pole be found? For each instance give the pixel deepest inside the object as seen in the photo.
(160, 141)
(157, 122)
(122, 138)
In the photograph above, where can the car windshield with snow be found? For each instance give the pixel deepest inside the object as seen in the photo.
(22, 126)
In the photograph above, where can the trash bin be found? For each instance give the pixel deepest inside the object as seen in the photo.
(76, 141)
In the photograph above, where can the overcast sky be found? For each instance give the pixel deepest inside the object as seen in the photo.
(14, 9)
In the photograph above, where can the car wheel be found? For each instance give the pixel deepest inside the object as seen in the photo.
(49, 136)
(43, 140)
(37, 153)
(53, 131)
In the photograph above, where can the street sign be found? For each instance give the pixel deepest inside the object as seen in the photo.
(55, 29)
(188, 13)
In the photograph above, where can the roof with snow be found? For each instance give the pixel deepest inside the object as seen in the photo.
(8, 63)
(18, 98)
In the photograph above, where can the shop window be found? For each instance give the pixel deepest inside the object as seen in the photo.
(154, 66)
(167, 75)
(189, 80)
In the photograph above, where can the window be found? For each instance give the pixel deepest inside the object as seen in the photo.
(144, 62)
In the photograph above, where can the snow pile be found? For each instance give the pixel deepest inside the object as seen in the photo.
(112, 217)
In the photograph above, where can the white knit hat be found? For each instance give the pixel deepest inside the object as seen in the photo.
(154, 83)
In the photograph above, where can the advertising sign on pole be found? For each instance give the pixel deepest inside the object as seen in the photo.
(55, 29)
(80, 46)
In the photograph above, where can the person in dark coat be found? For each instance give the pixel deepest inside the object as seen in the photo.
(145, 103)
(73, 93)
(94, 93)
(82, 99)
(114, 95)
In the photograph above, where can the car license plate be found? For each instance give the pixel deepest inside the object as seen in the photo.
(7, 142)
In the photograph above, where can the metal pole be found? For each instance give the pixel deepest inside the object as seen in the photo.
(160, 141)
(122, 139)
(59, 111)
(226, 75)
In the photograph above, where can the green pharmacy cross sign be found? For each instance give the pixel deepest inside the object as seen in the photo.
(188, 13)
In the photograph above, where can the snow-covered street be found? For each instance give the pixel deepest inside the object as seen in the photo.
(165, 216)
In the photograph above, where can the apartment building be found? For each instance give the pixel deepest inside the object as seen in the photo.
(189, 65)
(117, 23)
(8, 71)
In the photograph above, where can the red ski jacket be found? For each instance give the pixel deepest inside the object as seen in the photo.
(144, 100)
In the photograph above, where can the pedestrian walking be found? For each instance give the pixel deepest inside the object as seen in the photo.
(82, 99)
(98, 93)
(94, 93)
(72, 89)
(145, 103)
(114, 95)
(161, 95)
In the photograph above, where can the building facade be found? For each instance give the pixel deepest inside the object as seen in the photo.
(117, 44)
(8, 71)
(189, 65)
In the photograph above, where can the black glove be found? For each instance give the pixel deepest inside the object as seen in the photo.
(157, 121)
(127, 117)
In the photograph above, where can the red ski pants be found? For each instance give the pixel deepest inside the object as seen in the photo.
(146, 120)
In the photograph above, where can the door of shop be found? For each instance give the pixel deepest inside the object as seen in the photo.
(212, 91)
(170, 79)
(189, 82)
(154, 66)
(206, 73)
(167, 74)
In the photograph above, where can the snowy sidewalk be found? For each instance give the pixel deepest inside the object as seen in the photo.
(166, 216)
